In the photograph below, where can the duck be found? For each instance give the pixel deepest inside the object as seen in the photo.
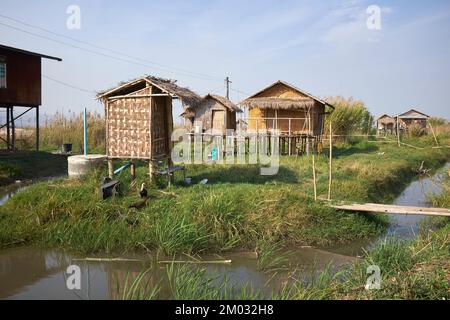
(143, 193)
(144, 198)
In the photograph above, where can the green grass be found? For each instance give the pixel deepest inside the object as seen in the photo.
(419, 270)
(237, 209)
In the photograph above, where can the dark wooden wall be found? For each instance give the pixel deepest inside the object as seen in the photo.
(23, 79)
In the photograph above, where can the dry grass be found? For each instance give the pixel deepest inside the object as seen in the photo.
(64, 128)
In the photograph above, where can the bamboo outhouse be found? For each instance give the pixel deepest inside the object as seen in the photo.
(215, 114)
(139, 120)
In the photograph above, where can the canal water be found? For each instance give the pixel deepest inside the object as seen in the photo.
(33, 273)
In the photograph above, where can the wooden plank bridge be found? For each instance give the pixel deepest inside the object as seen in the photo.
(393, 209)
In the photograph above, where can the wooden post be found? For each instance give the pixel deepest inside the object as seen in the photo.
(314, 176)
(37, 128)
(290, 139)
(151, 170)
(170, 165)
(110, 169)
(434, 135)
(330, 178)
(8, 130)
(398, 132)
(308, 142)
(133, 169)
(13, 130)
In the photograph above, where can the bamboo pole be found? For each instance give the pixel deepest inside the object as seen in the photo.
(398, 133)
(434, 135)
(314, 176)
(196, 262)
(133, 169)
(110, 169)
(330, 180)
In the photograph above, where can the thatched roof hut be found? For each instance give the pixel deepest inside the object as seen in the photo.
(215, 114)
(139, 120)
(167, 86)
(287, 108)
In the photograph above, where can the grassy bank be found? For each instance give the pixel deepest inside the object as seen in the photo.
(30, 165)
(237, 209)
(416, 271)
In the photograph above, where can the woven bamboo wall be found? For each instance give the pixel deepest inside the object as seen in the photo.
(128, 128)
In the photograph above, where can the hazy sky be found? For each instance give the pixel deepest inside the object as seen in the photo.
(323, 47)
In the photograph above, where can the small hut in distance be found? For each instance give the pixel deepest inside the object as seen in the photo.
(413, 117)
(139, 120)
(386, 124)
(215, 114)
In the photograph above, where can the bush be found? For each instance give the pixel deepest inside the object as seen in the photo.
(415, 130)
(350, 117)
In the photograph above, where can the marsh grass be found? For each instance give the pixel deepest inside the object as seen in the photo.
(409, 270)
(138, 287)
(272, 257)
(237, 209)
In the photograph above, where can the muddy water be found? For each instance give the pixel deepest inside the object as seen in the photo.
(31, 273)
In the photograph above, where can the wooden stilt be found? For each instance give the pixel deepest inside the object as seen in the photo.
(37, 128)
(151, 170)
(170, 165)
(110, 169)
(8, 130)
(13, 130)
(330, 179)
(133, 169)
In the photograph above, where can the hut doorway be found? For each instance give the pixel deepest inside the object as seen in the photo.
(218, 120)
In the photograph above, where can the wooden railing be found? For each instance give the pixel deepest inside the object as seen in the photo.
(294, 125)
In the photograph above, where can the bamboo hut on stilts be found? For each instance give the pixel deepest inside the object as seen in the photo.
(139, 120)
(297, 116)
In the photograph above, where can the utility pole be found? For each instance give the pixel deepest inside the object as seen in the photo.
(227, 83)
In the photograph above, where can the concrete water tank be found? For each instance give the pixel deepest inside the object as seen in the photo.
(81, 165)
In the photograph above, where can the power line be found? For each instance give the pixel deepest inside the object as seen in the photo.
(96, 52)
(68, 85)
(110, 50)
(160, 67)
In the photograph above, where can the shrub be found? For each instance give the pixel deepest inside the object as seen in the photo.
(350, 117)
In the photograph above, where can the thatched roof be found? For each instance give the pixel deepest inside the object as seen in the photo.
(279, 103)
(306, 101)
(190, 111)
(187, 97)
(224, 101)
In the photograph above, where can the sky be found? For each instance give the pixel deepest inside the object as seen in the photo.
(322, 47)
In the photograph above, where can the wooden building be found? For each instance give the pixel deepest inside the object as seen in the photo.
(139, 120)
(413, 117)
(215, 115)
(20, 87)
(386, 124)
(295, 114)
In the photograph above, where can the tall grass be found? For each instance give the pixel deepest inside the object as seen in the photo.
(60, 129)
(350, 117)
